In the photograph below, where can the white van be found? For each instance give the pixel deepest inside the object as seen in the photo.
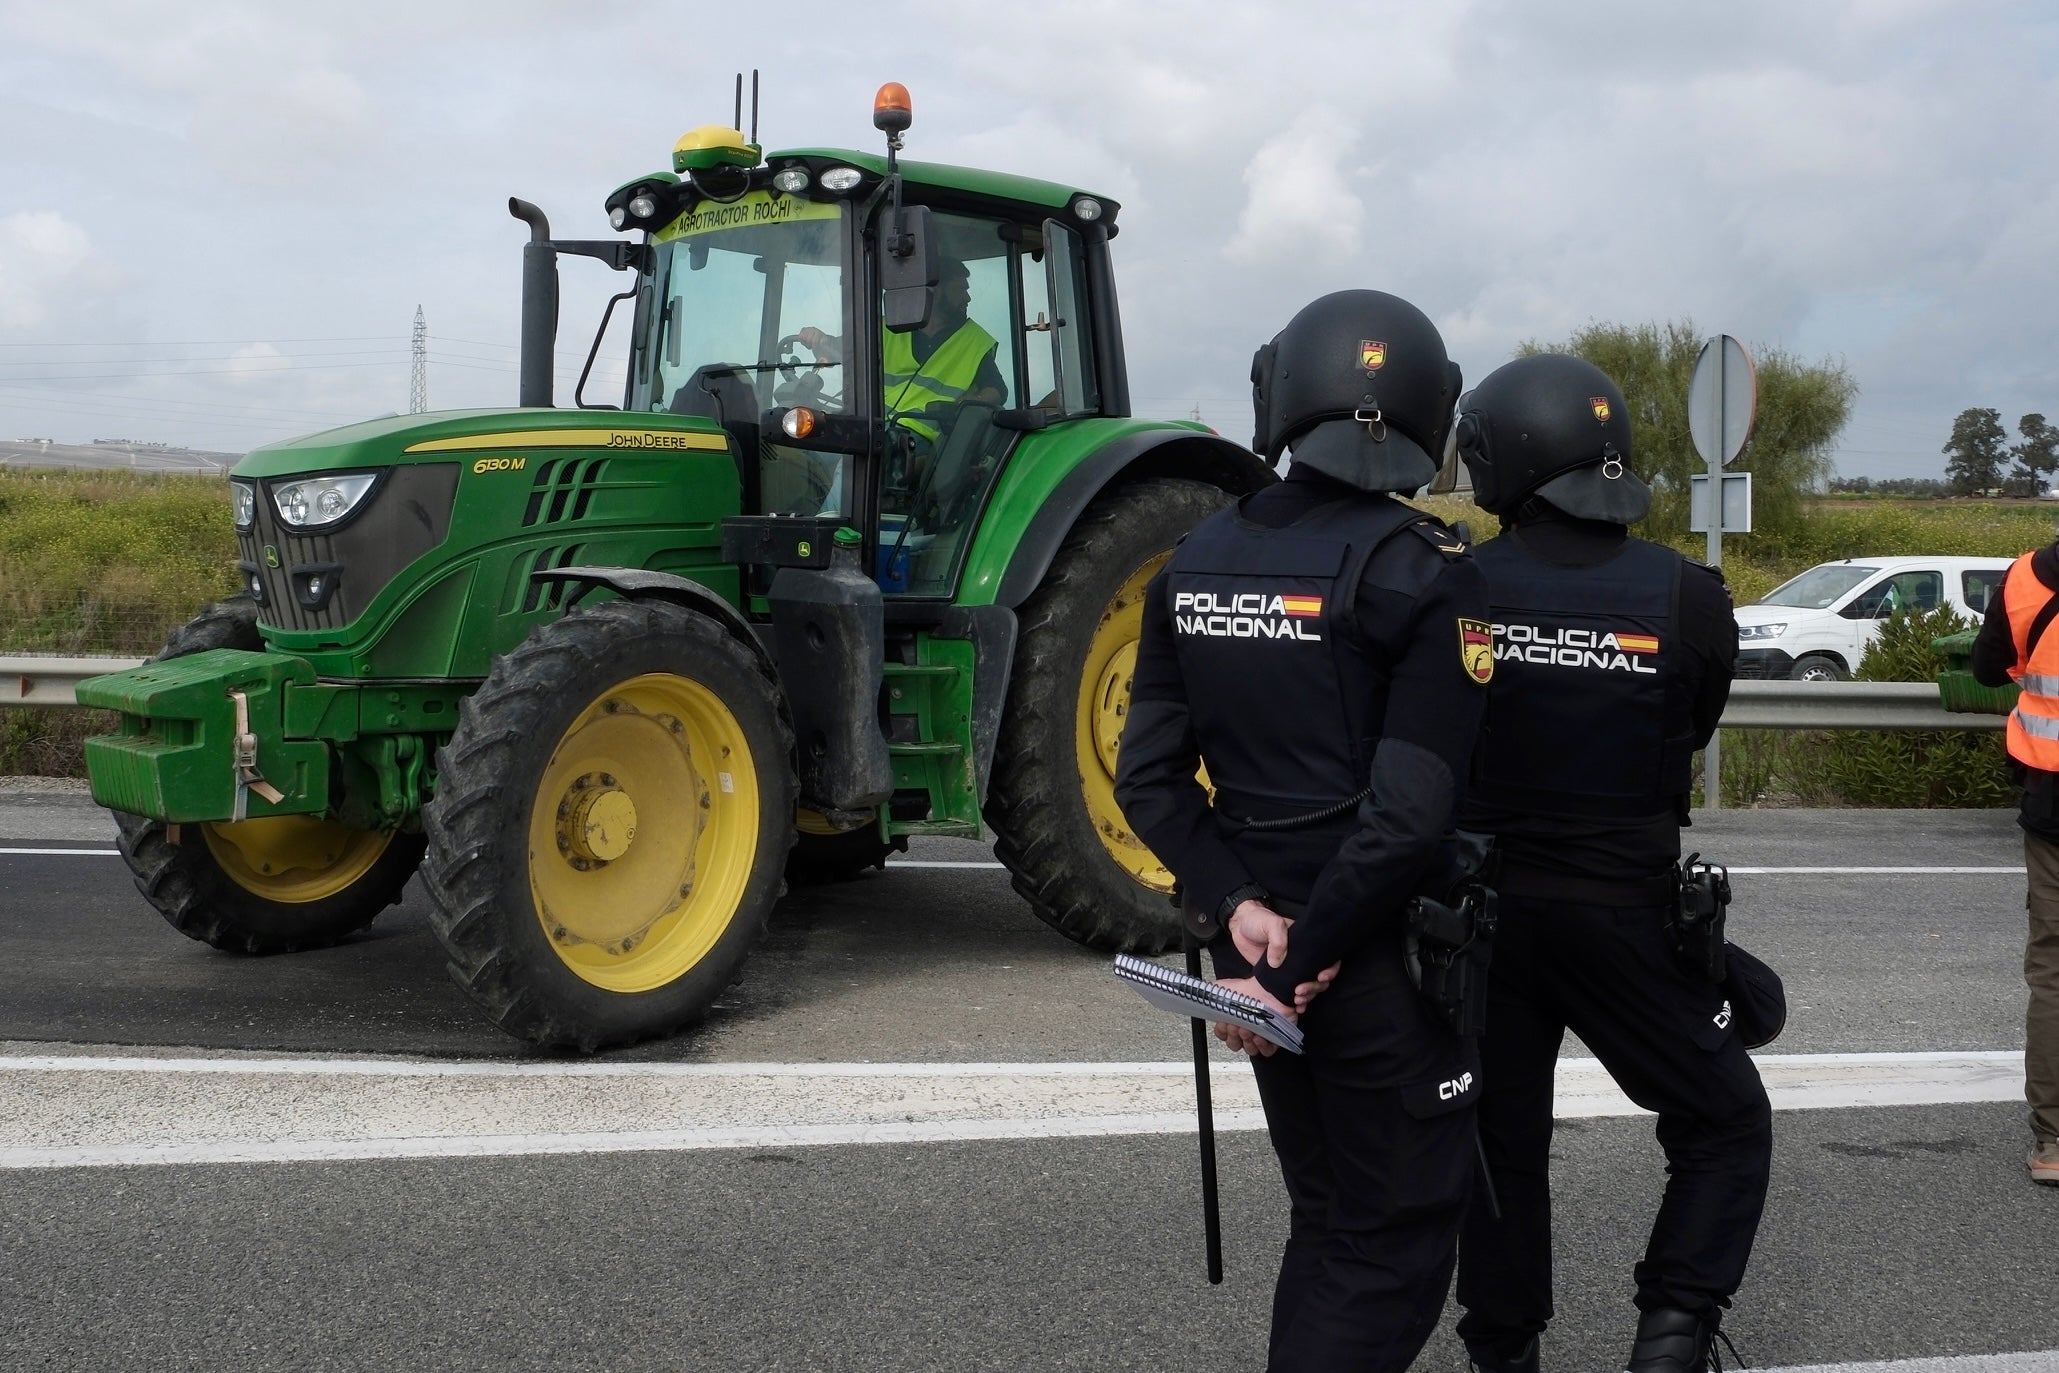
(1815, 627)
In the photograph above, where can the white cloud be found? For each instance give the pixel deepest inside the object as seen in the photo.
(1297, 197)
(44, 259)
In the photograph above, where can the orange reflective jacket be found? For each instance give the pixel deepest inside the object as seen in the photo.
(2034, 724)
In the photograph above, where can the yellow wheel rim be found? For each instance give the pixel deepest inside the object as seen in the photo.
(644, 833)
(294, 859)
(1104, 704)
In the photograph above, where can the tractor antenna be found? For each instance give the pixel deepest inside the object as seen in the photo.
(754, 102)
(739, 101)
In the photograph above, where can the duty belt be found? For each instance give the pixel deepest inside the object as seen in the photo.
(1522, 879)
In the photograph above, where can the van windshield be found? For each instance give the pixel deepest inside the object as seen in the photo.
(1820, 587)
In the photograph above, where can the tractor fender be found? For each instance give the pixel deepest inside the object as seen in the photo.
(639, 584)
(1186, 453)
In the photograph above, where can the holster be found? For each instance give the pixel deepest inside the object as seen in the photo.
(1448, 938)
(1698, 917)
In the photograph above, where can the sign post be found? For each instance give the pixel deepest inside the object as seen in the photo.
(1722, 402)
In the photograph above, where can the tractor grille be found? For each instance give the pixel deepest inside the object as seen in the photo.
(405, 516)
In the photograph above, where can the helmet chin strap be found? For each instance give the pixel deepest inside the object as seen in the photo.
(1373, 420)
(1611, 463)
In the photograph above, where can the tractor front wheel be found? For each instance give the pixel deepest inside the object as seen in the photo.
(1052, 803)
(272, 885)
(610, 826)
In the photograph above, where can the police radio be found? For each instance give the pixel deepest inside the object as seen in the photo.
(1698, 917)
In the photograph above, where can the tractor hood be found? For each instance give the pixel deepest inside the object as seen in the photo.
(445, 435)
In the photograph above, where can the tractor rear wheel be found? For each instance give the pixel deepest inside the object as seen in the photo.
(1052, 804)
(271, 885)
(610, 825)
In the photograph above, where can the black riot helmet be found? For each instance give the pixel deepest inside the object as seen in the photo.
(1551, 425)
(1358, 385)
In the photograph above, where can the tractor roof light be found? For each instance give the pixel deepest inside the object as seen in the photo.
(642, 205)
(892, 111)
(791, 180)
(1087, 208)
(711, 146)
(841, 179)
(618, 217)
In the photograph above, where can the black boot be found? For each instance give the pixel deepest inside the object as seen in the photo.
(1502, 1358)
(1671, 1341)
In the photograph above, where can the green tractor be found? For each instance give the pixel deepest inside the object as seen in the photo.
(610, 675)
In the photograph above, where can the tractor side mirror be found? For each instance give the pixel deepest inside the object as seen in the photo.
(908, 269)
(1452, 477)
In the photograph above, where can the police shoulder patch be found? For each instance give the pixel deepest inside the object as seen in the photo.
(1439, 537)
(1476, 649)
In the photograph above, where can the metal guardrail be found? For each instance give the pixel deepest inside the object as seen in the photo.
(1846, 705)
(40, 679)
(43, 680)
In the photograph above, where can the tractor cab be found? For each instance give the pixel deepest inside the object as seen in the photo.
(873, 336)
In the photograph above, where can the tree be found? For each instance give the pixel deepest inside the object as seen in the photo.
(1803, 407)
(2037, 457)
(1976, 452)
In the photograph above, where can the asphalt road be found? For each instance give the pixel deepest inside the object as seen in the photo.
(1893, 1232)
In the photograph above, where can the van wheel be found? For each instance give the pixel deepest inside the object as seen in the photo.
(1817, 667)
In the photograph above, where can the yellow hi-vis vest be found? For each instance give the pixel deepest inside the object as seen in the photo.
(2034, 724)
(946, 375)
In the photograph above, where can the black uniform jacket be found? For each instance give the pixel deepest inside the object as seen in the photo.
(1532, 839)
(1994, 653)
(1410, 598)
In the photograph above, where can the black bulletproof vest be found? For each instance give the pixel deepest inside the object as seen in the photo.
(1285, 697)
(1585, 715)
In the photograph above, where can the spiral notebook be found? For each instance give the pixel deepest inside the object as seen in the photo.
(1191, 996)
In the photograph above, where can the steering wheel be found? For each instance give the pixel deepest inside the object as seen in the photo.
(801, 381)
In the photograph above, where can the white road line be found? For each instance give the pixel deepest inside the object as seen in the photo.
(1870, 871)
(2044, 1361)
(60, 1111)
(997, 867)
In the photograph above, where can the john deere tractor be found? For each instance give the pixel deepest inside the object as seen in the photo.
(609, 675)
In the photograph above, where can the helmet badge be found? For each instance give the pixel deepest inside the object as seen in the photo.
(1601, 407)
(1372, 355)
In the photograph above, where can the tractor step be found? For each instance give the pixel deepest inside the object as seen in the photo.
(942, 750)
(942, 829)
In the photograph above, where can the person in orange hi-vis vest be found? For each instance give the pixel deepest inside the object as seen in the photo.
(2016, 643)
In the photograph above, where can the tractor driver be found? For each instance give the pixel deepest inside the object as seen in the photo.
(930, 372)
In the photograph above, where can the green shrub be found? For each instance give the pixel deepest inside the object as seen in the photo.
(1917, 767)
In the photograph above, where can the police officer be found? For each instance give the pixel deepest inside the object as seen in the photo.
(1613, 662)
(2016, 644)
(1308, 645)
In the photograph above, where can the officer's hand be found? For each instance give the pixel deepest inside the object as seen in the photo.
(1259, 931)
(1251, 987)
(1308, 991)
(1243, 1041)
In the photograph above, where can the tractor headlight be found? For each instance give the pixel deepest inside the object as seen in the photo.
(792, 180)
(841, 178)
(618, 217)
(1087, 208)
(317, 502)
(1761, 631)
(642, 205)
(243, 501)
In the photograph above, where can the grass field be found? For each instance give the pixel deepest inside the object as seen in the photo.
(110, 562)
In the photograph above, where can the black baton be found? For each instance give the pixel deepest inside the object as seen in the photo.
(1204, 1109)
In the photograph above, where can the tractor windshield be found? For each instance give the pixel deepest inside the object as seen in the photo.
(746, 295)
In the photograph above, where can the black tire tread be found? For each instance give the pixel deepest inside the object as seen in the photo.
(467, 818)
(1034, 804)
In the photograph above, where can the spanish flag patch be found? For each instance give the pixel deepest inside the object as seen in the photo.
(1638, 643)
(1302, 606)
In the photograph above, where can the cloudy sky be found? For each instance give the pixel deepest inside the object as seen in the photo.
(217, 217)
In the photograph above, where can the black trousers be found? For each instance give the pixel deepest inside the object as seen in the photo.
(1373, 1127)
(1609, 974)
